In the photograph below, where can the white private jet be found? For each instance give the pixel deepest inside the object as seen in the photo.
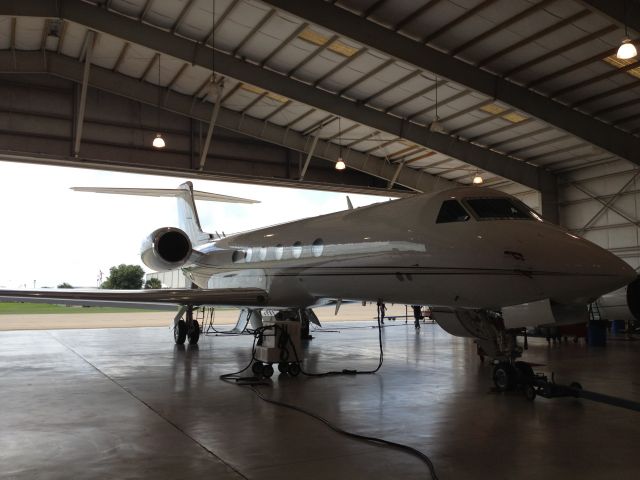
(485, 262)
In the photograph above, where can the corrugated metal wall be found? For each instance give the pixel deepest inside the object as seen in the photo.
(170, 279)
(601, 203)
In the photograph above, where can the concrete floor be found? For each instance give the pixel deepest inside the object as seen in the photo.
(126, 403)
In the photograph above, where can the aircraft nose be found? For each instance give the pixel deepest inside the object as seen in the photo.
(614, 271)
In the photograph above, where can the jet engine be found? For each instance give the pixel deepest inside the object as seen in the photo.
(621, 304)
(166, 248)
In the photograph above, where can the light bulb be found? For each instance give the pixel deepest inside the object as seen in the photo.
(340, 165)
(627, 50)
(158, 142)
(477, 180)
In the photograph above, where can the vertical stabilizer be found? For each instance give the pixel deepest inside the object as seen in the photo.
(188, 215)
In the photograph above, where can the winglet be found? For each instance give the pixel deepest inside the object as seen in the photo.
(349, 204)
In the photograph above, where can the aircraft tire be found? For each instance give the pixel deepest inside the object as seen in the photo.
(525, 369)
(194, 333)
(530, 392)
(180, 332)
(503, 377)
(257, 368)
(283, 367)
(294, 369)
(267, 371)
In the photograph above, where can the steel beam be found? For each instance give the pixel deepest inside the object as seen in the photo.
(83, 92)
(406, 50)
(310, 154)
(214, 117)
(608, 205)
(625, 12)
(198, 54)
(477, 156)
(150, 94)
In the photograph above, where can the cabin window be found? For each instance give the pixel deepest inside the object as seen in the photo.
(296, 250)
(497, 208)
(452, 211)
(317, 247)
(279, 250)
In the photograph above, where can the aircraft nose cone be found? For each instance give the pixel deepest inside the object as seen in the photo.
(615, 271)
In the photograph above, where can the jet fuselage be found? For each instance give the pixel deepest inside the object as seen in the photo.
(416, 251)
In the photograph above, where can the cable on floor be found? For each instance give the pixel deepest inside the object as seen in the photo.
(253, 381)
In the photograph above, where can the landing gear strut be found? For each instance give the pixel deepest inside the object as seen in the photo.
(187, 329)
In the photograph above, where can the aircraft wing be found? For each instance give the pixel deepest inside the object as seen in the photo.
(166, 296)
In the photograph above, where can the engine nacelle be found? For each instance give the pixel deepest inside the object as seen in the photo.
(621, 304)
(166, 248)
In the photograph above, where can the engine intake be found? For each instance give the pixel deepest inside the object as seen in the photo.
(166, 248)
(633, 298)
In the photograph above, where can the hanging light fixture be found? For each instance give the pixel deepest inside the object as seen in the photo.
(158, 142)
(627, 49)
(477, 180)
(340, 165)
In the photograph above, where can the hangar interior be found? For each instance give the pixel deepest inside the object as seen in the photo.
(413, 96)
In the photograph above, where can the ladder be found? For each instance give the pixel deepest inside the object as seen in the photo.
(594, 311)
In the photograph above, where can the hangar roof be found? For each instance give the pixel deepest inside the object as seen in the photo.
(417, 92)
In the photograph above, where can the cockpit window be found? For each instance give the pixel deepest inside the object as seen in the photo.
(497, 208)
(452, 211)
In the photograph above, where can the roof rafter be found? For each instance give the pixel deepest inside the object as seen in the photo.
(623, 13)
(406, 50)
(150, 94)
(198, 54)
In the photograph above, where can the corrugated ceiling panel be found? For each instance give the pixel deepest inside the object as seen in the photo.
(198, 21)
(378, 81)
(310, 120)
(73, 39)
(402, 91)
(289, 113)
(106, 51)
(131, 8)
(165, 13)
(28, 32)
(136, 61)
(265, 41)
(356, 69)
(5, 33)
(191, 79)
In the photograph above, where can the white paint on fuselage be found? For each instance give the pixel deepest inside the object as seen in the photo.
(396, 251)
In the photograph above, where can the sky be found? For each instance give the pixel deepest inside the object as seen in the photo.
(51, 234)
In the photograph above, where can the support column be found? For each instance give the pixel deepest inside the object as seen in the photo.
(549, 201)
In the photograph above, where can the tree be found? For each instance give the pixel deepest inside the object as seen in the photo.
(65, 285)
(153, 283)
(124, 277)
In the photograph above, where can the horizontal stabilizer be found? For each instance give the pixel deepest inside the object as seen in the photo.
(165, 192)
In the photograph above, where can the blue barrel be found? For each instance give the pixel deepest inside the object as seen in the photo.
(617, 326)
(597, 333)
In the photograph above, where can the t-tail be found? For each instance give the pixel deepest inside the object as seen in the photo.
(186, 196)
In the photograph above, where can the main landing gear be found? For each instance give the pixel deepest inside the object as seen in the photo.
(187, 327)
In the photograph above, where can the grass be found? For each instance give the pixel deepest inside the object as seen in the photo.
(19, 308)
